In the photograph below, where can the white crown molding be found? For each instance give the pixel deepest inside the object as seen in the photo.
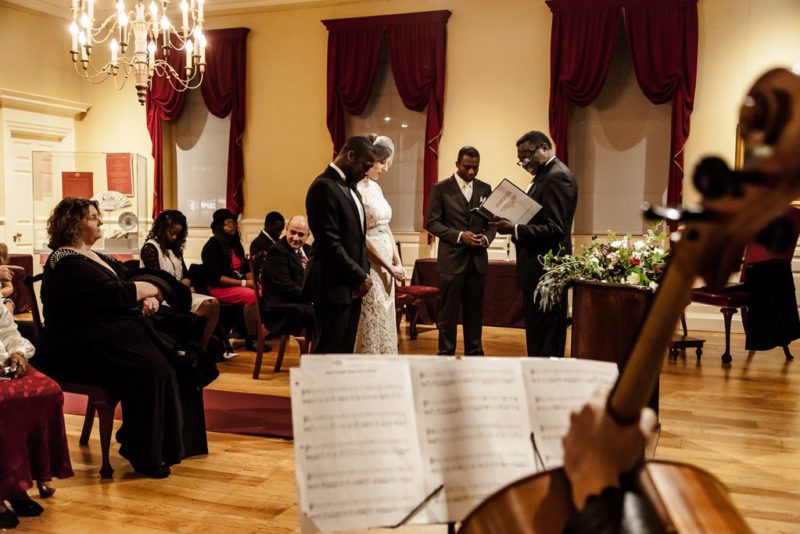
(42, 104)
(60, 8)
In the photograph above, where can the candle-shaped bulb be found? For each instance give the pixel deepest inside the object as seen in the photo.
(189, 50)
(114, 50)
(202, 42)
(200, 9)
(85, 22)
(185, 15)
(153, 9)
(91, 9)
(123, 19)
(165, 23)
(120, 7)
(73, 30)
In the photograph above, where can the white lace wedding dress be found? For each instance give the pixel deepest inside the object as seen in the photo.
(377, 332)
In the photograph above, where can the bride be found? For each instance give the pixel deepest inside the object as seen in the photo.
(377, 327)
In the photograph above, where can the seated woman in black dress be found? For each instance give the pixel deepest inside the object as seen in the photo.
(164, 250)
(227, 271)
(95, 334)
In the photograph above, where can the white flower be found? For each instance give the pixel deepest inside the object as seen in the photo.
(638, 245)
(619, 244)
(653, 286)
(633, 279)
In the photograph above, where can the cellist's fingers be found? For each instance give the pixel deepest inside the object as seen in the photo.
(647, 422)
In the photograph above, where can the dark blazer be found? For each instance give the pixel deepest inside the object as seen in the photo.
(448, 215)
(261, 243)
(340, 262)
(218, 263)
(282, 274)
(556, 189)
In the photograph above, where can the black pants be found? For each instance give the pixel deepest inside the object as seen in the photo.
(545, 332)
(337, 325)
(462, 293)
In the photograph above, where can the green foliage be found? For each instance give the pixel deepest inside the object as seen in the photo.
(620, 260)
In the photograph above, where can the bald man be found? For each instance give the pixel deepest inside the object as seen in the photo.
(285, 309)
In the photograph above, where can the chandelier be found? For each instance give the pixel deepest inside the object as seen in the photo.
(149, 29)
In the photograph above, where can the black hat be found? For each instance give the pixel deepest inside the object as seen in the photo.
(220, 216)
(177, 295)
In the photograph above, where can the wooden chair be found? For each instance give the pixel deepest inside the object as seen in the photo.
(99, 400)
(256, 264)
(729, 299)
(409, 296)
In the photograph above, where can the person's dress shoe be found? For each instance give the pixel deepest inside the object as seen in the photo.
(8, 519)
(250, 344)
(26, 507)
(154, 472)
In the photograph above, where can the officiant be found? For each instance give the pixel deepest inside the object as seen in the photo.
(556, 189)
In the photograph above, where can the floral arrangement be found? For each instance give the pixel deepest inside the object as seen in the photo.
(620, 260)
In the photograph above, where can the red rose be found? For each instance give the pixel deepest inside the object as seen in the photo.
(634, 261)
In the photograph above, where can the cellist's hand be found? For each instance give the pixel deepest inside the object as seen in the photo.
(597, 450)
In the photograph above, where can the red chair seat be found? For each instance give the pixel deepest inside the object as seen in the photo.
(727, 297)
(418, 291)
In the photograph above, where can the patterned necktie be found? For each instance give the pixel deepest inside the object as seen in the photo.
(302, 258)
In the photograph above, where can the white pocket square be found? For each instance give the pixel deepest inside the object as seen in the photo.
(482, 200)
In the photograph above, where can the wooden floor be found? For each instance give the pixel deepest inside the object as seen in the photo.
(742, 423)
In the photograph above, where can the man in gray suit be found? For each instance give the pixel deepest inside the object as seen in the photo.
(461, 259)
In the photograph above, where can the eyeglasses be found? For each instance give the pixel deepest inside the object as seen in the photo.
(524, 161)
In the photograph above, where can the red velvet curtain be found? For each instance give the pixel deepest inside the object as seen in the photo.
(417, 56)
(224, 93)
(417, 44)
(223, 90)
(353, 55)
(663, 41)
(163, 104)
(581, 42)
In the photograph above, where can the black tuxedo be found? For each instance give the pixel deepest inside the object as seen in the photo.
(462, 269)
(285, 311)
(262, 243)
(556, 189)
(340, 263)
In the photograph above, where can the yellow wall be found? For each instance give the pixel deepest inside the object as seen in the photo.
(497, 83)
(497, 86)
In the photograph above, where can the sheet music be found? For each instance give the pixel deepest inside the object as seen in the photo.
(474, 430)
(508, 201)
(355, 440)
(556, 387)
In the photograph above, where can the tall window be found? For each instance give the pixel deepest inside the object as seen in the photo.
(386, 115)
(618, 148)
(201, 156)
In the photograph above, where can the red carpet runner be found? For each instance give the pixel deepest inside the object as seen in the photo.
(227, 411)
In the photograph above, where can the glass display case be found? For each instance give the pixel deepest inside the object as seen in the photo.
(117, 181)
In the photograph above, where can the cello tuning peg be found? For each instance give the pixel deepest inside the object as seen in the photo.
(676, 214)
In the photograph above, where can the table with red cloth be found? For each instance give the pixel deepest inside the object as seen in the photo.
(21, 297)
(502, 300)
(33, 439)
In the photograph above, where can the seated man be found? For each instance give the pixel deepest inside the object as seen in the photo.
(269, 235)
(285, 309)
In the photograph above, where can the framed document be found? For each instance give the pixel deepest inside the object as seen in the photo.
(77, 184)
(508, 201)
(119, 174)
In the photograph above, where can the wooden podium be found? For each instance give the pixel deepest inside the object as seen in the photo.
(606, 318)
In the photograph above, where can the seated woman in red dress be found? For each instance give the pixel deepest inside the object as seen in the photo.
(227, 271)
(33, 440)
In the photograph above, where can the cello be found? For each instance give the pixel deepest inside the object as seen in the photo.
(737, 205)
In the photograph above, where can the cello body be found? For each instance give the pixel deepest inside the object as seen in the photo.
(686, 499)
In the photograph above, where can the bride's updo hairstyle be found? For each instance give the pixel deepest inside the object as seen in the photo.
(384, 149)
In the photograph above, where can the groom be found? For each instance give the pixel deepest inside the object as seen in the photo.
(339, 271)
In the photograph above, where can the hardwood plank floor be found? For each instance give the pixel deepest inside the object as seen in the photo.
(741, 423)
